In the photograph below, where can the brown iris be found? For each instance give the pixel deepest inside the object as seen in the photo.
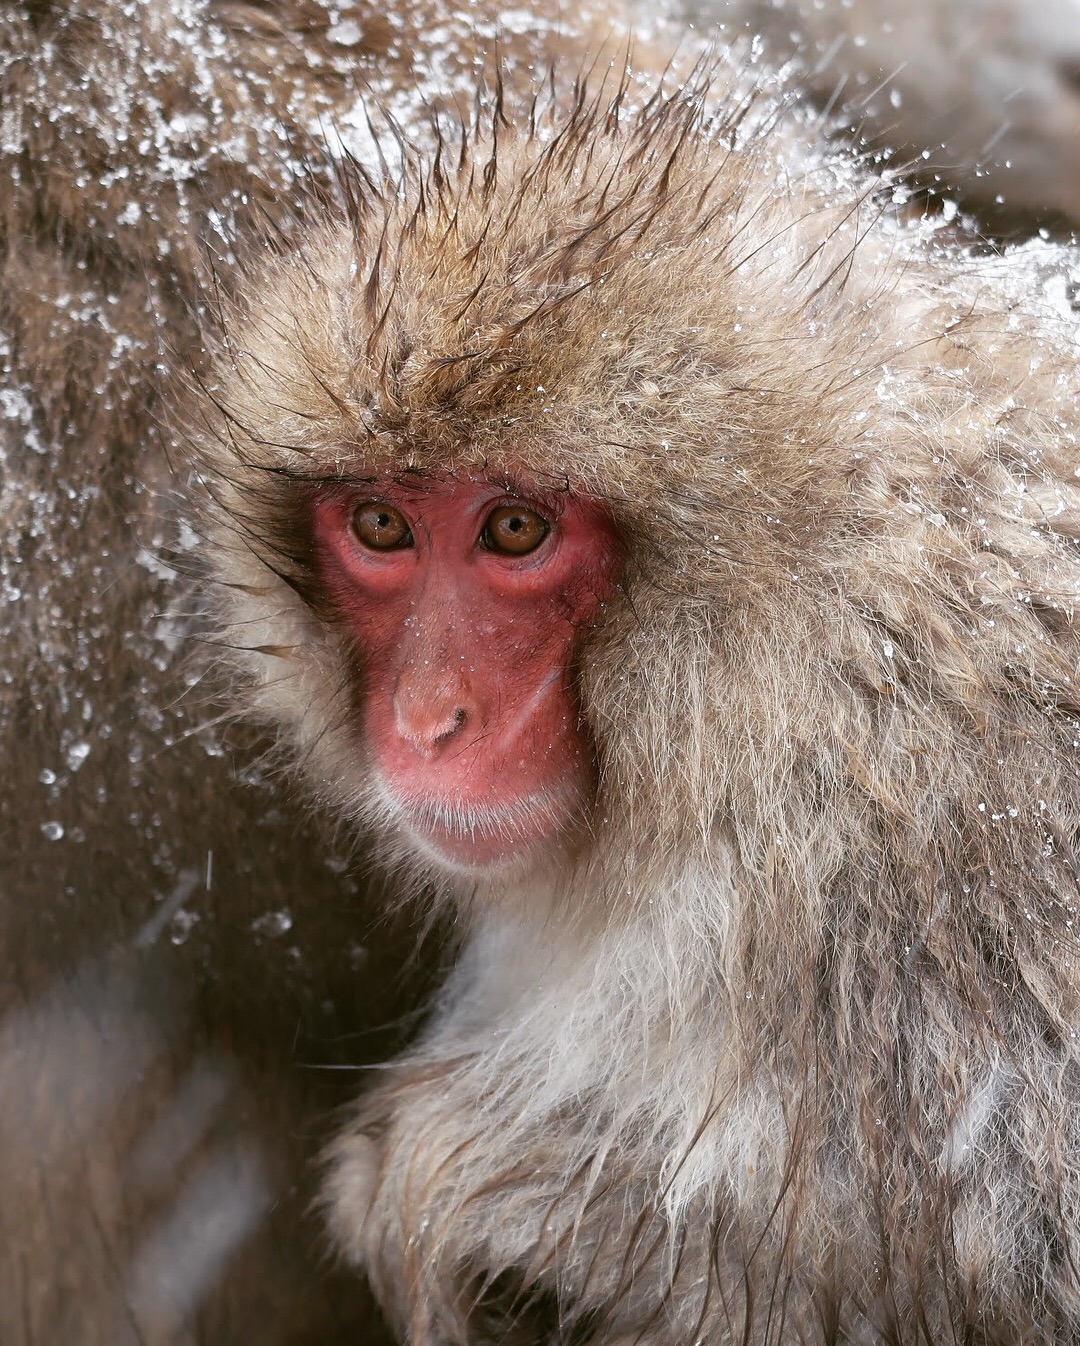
(381, 526)
(513, 530)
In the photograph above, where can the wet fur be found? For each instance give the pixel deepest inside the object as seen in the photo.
(788, 1053)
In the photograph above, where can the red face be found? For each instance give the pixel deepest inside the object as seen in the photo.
(468, 604)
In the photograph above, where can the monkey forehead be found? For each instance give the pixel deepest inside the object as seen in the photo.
(544, 304)
(636, 308)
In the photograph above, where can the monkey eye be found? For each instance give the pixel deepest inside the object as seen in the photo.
(513, 530)
(381, 526)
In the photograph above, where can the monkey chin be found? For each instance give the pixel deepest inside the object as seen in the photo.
(468, 837)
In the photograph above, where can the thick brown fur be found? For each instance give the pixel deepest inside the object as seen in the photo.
(788, 1054)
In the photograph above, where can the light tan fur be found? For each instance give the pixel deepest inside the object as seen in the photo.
(787, 1052)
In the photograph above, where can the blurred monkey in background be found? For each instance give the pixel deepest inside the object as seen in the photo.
(980, 100)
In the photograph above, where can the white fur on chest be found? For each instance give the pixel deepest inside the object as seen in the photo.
(627, 1031)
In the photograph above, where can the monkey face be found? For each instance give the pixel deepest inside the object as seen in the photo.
(467, 605)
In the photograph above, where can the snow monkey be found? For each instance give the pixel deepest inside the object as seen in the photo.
(662, 556)
(674, 560)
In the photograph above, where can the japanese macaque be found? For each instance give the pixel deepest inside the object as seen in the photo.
(657, 554)
(674, 559)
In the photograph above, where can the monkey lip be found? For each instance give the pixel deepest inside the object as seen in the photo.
(472, 835)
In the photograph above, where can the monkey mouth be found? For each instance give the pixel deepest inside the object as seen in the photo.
(470, 835)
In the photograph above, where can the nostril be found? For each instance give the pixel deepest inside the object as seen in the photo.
(450, 727)
(429, 727)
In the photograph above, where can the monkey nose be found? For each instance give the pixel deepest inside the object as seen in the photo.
(428, 724)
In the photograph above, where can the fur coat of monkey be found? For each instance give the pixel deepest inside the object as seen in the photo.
(785, 1052)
